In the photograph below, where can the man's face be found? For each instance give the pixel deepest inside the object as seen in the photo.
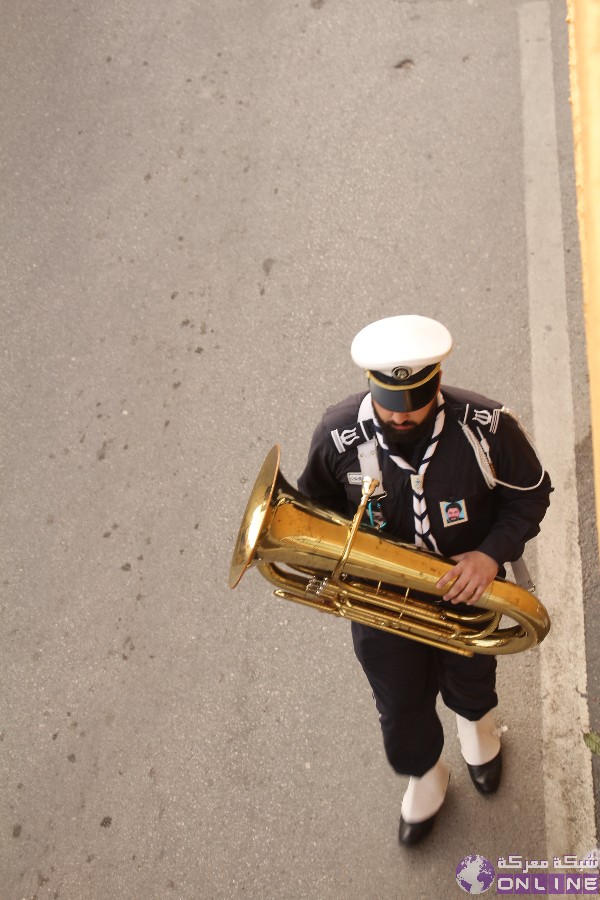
(400, 428)
(453, 513)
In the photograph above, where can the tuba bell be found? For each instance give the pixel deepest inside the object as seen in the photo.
(339, 566)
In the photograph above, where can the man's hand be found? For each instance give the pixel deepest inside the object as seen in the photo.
(473, 571)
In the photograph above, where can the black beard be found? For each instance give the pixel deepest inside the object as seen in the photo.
(398, 440)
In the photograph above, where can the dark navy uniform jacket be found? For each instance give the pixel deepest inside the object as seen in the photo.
(496, 521)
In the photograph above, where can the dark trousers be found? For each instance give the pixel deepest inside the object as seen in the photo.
(405, 677)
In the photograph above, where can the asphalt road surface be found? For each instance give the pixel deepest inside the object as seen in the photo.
(202, 203)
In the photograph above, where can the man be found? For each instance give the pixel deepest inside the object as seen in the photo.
(453, 512)
(458, 477)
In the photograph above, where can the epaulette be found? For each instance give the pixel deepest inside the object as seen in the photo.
(476, 416)
(361, 431)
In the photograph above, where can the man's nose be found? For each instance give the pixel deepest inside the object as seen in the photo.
(399, 418)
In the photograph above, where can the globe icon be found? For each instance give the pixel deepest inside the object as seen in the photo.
(475, 874)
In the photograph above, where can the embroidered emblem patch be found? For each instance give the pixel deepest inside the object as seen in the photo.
(453, 512)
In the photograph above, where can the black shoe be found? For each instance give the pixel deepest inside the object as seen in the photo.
(411, 833)
(486, 777)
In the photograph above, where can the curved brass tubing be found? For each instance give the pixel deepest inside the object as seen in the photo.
(320, 559)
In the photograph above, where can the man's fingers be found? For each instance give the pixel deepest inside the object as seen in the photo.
(473, 572)
(468, 596)
(457, 587)
(463, 591)
(446, 579)
(451, 573)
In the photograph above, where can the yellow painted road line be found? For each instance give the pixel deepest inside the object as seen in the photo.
(584, 66)
(569, 801)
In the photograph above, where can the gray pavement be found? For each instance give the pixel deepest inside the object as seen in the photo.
(202, 203)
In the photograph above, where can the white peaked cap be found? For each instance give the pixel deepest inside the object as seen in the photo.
(405, 343)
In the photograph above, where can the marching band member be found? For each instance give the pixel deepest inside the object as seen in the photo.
(458, 476)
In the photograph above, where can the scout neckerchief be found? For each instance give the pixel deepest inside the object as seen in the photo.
(423, 536)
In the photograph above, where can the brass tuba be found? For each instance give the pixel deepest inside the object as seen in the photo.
(321, 559)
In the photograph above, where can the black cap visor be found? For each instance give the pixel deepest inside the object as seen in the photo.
(404, 399)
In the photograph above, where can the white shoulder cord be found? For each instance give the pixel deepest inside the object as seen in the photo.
(481, 448)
